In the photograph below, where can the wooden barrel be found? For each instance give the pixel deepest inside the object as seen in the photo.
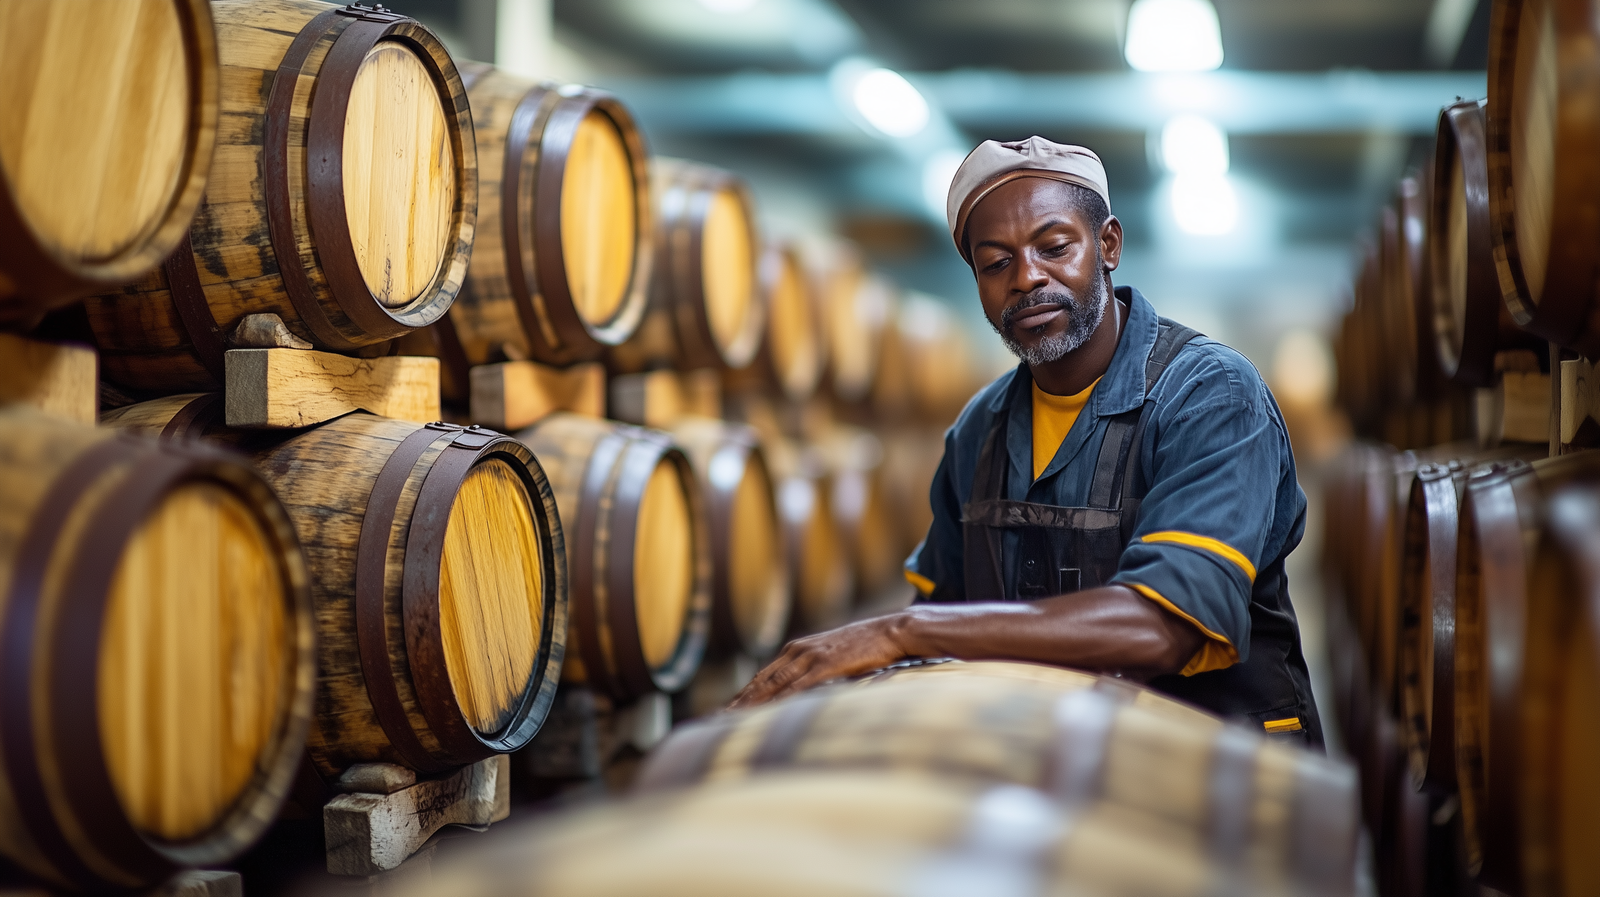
(1560, 787)
(1051, 729)
(1397, 320)
(707, 308)
(1543, 177)
(1470, 322)
(159, 664)
(561, 267)
(821, 579)
(750, 597)
(342, 200)
(435, 555)
(793, 350)
(1501, 525)
(860, 834)
(939, 359)
(108, 116)
(857, 306)
(859, 501)
(639, 558)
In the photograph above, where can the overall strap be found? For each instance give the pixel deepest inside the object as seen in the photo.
(1170, 340)
(980, 544)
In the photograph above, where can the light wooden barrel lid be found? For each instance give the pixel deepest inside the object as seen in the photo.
(94, 143)
(1533, 140)
(197, 662)
(728, 267)
(664, 560)
(491, 595)
(755, 570)
(399, 174)
(106, 140)
(794, 341)
(599, 218)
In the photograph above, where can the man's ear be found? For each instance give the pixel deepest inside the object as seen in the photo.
(1111, 243)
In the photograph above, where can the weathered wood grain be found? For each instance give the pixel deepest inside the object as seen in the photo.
(371, 833)
(287, 388)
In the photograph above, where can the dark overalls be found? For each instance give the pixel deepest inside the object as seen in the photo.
(1062, 550)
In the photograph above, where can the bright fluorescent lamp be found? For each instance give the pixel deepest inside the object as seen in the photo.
(889, 103)
(1193, 145)
(728, 6)
(1173, 36)
(1205, 204)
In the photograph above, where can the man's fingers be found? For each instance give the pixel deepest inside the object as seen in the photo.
(773, 681)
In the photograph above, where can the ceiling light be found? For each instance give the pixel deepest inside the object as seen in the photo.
(1205, 204)
(728, 6)
(1193, 145)
(889, 103)
(1173, 36)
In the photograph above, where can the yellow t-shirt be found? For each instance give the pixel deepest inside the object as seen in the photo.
(1053, 416)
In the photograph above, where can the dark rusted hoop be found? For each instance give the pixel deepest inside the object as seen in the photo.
(460, 744)
(354, 32)
(1468, 360)
(583, 340)
(532, 311)
(719, 493)
(684, 206)
(194, 314)
(156, 468)
(588, 559)
(1491, 560)
(1428, 562)
(41, 279)
(1565, 313)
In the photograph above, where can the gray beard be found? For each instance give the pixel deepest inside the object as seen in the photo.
(1083, 317)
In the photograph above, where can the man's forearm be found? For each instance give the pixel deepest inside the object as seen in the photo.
(1111, 629)
(1114, 629)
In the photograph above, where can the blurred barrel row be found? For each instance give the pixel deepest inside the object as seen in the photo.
(205, 624)
(1460, 530)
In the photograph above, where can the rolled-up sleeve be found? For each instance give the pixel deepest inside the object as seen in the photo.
(1204, 525)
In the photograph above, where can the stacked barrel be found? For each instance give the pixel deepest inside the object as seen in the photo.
(1460, 529)
(189, 609)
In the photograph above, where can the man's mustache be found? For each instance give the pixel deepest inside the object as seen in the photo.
(1034, 300)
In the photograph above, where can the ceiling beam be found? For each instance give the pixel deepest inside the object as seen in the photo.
(988, 101)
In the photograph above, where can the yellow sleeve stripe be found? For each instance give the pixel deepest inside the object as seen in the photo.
(1216, 654)
(1205, 543)
(923, 583)
(1292, 724)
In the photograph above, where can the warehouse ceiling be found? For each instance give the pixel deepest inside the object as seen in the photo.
(1321, 104)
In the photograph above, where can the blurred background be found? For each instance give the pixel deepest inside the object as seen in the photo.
(1249, 143)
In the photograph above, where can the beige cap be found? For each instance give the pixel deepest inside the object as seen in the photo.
(994, 163)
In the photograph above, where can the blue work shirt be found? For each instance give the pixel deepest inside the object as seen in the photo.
(1221, 506)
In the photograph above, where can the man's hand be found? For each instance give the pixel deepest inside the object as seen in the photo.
(810, 661)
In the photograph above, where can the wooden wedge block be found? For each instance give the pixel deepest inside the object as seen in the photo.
(55, 377)
(515, 394)
(1580, 396)
(660, 398)
(297, 388)
(370, 833)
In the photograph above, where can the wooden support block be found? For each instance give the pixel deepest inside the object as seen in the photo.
(55, 377)
(274, 388)
(202, 883)
(515, 394)
(369, 833)
(702, 393)
(1525, 407)
(1580, 396)
(651, 399)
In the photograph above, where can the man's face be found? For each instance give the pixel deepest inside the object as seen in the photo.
(1041, 267)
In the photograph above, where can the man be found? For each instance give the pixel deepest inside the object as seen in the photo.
(1122, 501)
